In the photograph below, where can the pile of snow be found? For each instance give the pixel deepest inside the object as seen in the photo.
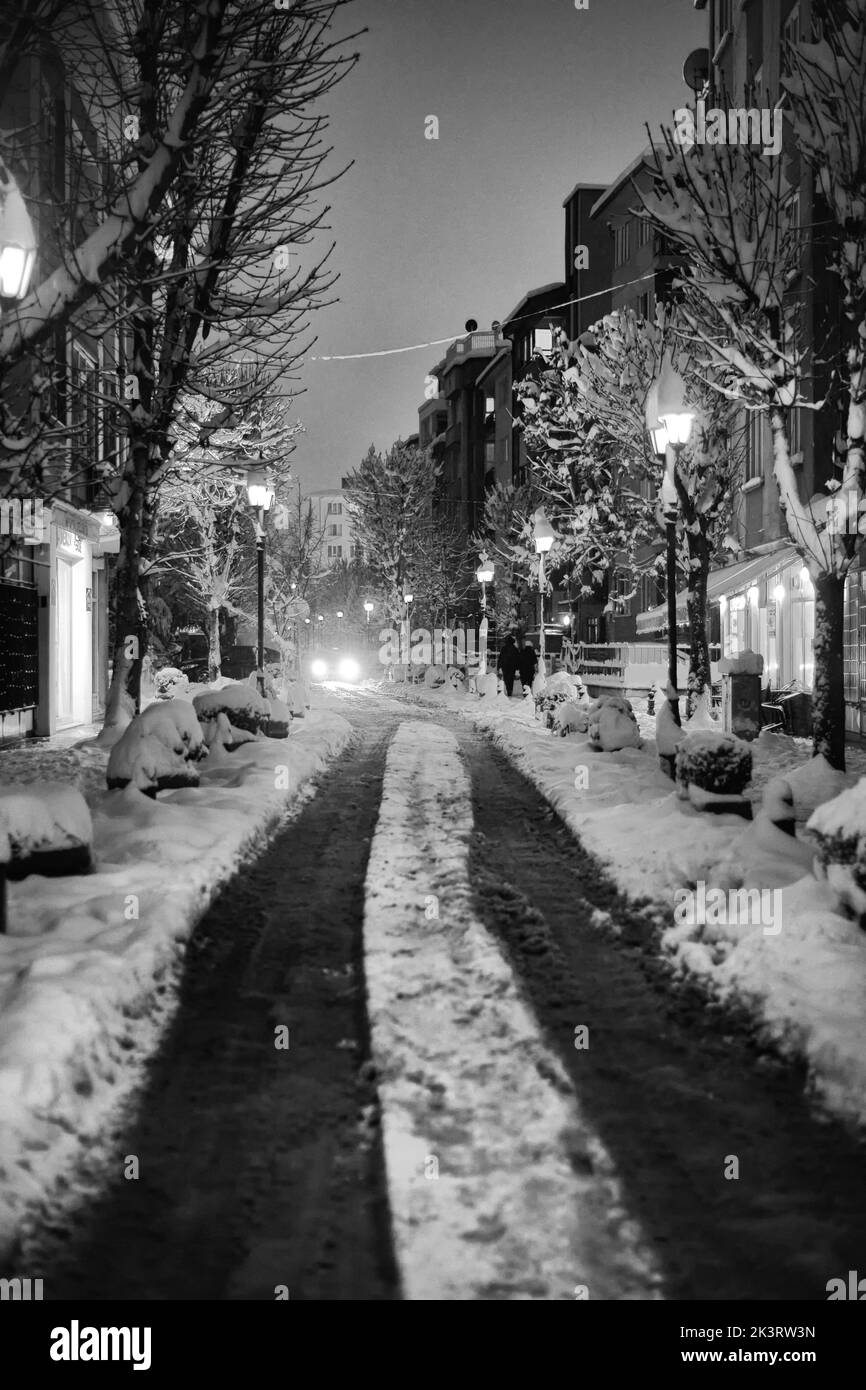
(839, 827)
(612, 725)
(244, 707)
(169, 681)
(571, 718)
(159, 750)
(39, 817)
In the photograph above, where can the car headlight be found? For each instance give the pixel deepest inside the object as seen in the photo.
(319, 670)
(349, 669)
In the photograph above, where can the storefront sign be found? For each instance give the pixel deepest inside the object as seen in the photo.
(69, 540)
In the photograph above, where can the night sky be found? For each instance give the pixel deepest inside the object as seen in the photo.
(532, 96)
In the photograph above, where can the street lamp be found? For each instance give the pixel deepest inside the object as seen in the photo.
(670, 425)
(544, 537)
(408, 598)
(368, 608)
(17, 239)
(484, 574)
(261, 496)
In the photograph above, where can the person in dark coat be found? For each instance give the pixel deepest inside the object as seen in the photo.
(527, 664)
(509, 659)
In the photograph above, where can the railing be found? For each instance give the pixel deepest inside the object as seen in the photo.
(607, 663)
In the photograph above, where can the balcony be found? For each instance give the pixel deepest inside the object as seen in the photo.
(473, 345)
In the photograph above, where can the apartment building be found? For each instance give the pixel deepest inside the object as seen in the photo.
(54, 639)
(763, 600)
(333, 523)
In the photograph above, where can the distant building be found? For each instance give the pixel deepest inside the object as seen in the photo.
(333, 522)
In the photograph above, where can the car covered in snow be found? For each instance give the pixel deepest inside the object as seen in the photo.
(336, 664)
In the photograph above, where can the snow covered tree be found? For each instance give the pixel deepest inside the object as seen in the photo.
(592, 459)
(212, 143)
(390, 498)
(206, 533)
(505, 527)
(443, 571)
(728, 207)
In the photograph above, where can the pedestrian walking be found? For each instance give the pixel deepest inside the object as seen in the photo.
(527, 662)
(509, 660)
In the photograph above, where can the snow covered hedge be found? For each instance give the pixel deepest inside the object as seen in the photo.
(839, 828)
(718, 763)
(242, 705)
(168, 682)
(159, 750)
(558, 689)
(45, 828)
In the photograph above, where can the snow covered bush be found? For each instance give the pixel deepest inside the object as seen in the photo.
(718, 763)
(554, 691)
(168, 682)
(571, 718)
(280, 719)
(159, 750)
(612, 725)
(45, 828)
(456, 678)
(488, 684)
(839, 828)
(244, 707)
(435, 676)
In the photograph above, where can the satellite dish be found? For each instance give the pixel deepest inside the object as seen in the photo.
(470, 326)
(696, 69)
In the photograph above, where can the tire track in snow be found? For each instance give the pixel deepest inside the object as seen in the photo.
(498, 1189)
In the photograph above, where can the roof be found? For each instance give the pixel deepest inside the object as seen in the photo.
(588, 187)
(533, 294)
(644, 158)
(730, 579)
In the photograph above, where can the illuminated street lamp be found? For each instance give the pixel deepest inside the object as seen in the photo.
(484, 574)
(544, 535)
(670, 425)
(17, 239)
(261, 496)
(368, 609)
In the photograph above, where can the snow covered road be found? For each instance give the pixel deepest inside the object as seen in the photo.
(261, 1167)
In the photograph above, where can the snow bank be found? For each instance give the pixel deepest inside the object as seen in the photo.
(479, 1119)
(84, 954)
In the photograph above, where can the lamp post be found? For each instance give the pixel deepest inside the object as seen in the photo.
(17, 239)
(408, 597)
(484, 574)
(261, 496)
(544, 537)
(670, 425)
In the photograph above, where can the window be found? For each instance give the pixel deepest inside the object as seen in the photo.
(622, 591)
(83, 420)
(644, 231)
(754, 446)
(335, 530)
(489, 405)
(335, 509)
(642, 306)
(790, 36)
(335, 552)
(621, 244)
(542, 340)
(489, 453)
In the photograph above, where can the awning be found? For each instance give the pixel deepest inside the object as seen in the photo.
(730, 579)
